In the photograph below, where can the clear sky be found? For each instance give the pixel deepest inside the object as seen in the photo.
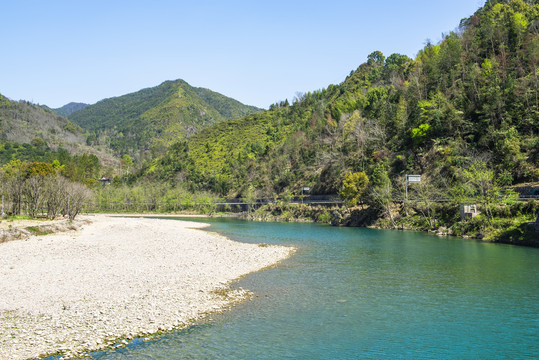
(256, 51)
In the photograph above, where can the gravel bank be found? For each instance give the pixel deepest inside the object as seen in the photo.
(116, 278)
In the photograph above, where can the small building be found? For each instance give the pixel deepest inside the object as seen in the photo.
(104, 181)
(468, 211)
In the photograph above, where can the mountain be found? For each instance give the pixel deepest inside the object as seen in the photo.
(153, 118)
(471, 98)
(22, 121)
(32, 132)
(70, 108)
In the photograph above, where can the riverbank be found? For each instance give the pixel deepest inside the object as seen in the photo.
(510, 223)
(115, 279)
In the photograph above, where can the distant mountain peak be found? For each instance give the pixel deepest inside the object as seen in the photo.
(70, 108)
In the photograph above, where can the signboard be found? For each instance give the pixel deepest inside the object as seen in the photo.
(414, 178)
(306, 189)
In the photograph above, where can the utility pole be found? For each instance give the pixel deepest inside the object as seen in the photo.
(406, 181)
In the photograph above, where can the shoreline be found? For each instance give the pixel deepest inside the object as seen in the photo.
(117, 279)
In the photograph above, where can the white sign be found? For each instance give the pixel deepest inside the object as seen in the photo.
(414, 178)
(306, 189)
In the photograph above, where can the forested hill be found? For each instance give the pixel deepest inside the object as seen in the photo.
(22, 122)
(471, 98)
(153, 118)
(31, 132)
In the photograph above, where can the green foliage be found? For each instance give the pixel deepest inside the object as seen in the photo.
(420, 133)
(82, 168)
(126, 160)
(481, 186)
(354, 186)
(38, 143)
(457, 98)
(36, 230)
(35, 151)
(475, 95)
(30, 132)
(70, 127)
(40, 169)
(156, 117)
(215, 148)
(228, 108)
(153, 197)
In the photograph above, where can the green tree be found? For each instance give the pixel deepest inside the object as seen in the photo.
(419, 134)
(13, 174)
(127, 162)
(381, 192)
(354, 186)
(481, 186)
(376, 58)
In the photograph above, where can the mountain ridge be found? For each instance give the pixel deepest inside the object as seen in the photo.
(150, 119)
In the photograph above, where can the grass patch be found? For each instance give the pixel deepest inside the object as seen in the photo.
(35, 230)
(17, 217)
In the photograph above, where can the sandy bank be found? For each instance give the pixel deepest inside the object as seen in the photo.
(116, 278)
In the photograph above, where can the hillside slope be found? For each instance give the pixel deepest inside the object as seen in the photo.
(30, 132)
(472, 97)
(153, 118)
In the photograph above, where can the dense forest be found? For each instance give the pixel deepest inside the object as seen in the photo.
(145, 123)
(471, 98)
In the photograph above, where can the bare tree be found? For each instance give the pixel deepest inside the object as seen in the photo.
(13, 180)
(56, 195)
(3, 194)
(77, 196)
(33, 191)
(425, 196)
(381, 195)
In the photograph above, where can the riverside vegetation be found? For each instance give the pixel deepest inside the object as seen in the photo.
(464, 113)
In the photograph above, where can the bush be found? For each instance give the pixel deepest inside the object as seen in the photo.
(324, 217)
(470, 227)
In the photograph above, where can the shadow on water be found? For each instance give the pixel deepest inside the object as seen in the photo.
(364, 293)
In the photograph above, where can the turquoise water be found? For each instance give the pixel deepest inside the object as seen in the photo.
(352, 293)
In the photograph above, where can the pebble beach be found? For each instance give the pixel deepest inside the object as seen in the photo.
(115, 279)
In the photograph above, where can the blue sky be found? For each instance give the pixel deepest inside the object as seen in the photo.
(258, 52)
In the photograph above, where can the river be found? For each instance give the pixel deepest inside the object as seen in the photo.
(351, 293)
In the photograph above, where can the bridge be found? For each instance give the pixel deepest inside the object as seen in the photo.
(322, 200)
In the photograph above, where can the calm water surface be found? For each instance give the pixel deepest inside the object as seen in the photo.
(352, 293)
